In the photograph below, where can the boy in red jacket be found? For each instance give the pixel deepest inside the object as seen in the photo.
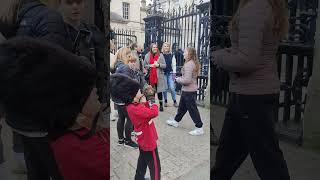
(141, 115)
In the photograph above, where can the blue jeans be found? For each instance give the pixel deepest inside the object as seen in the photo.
(170, 84)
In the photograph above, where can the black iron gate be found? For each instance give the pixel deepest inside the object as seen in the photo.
(123, 38)
(182, 27)
(295, 59)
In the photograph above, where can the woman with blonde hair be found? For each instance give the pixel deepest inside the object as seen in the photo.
(122, 66)
(256, 30)
(169, 71)
(188, 80)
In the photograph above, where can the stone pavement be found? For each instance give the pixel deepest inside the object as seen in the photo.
(182, 156)
(302, 164)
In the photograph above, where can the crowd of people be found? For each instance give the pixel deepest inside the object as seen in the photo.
(52, 91)
(138, 84)
(53, 74)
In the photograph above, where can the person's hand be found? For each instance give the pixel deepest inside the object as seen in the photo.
(174, 76)
(156, 64)
(149, 93)
(152, 65)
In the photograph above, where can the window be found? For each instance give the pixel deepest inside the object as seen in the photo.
(125, 9)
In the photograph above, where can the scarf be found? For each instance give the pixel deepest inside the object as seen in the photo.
(153, 70)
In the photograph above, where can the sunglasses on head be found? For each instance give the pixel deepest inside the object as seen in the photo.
(73, 1)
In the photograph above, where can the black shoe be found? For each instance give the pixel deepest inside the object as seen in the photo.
(120, 142)
(131, 144)
(161, 109)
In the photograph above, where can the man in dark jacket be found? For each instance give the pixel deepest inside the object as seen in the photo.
(87, 40)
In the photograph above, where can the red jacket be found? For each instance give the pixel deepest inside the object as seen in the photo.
(141, 115)
(82, 159)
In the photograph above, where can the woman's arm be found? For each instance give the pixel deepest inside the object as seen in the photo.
(187, 76)
(246, 58)
(162, 62)
(146, 63)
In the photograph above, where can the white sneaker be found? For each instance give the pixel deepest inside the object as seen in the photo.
(197, 132)
(172, 122)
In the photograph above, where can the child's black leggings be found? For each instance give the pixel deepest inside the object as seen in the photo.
(150, 159)
(124, 125)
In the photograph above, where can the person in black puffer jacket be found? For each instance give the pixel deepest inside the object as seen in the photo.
(36, 20)
(33, 19)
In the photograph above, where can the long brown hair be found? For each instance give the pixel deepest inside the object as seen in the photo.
(280, 17)
(9, 10)
(151, 45)
(193, 57)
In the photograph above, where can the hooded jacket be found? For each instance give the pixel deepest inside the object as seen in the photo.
(36, 20)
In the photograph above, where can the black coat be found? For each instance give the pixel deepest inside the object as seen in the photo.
(98, 43)
(36, 20)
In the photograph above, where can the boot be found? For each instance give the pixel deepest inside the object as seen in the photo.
(161, 105)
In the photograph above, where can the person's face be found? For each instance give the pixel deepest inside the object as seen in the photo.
(154, 49)
(132, 64)
(166, 48)
(128, 55)
(138, 97)
(72, 9)
(186, 54)
(139, 49)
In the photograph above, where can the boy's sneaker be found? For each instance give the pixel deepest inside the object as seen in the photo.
(165, 104)
(175, 104)
(131, 144)
(120, 142)
(197, 132)
(172, 122)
